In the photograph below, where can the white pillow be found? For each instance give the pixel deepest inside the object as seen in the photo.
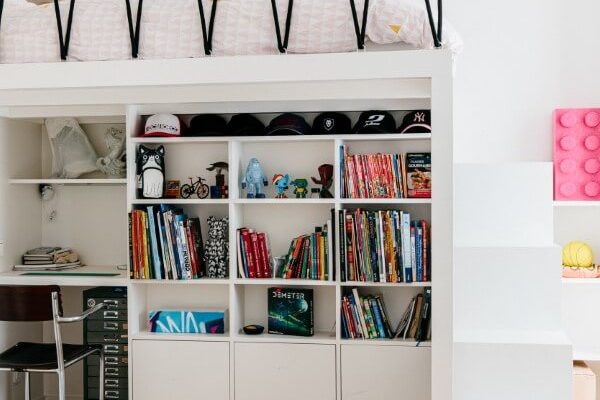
(28, 33)
(100, 31)
(170, 29)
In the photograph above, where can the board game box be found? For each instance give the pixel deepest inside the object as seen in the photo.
(418, 174)
(290, 311)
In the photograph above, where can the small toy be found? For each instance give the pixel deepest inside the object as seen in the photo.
(576, 154)
(254, 179)
(315, 193)
(151, 170)
(577, 255)
(282, 183)
(301, 188)
(326, 180)
(219, 190)
(199, 187)
(173, 187)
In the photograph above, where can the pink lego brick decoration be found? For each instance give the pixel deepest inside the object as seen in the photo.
(577, 154)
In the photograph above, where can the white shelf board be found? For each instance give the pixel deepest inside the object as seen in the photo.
(284, 201)
(586, 355)
(180, 201)
(202, 337)
(99, 181)
(560, 203)
(385, 284)
(318, 338)
(62, 278)
(581, 281)
(284, 282)
(199, 282)
(385, 342)
(290, 138)
(384, 201)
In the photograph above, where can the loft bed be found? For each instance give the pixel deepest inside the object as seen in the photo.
(101, 30)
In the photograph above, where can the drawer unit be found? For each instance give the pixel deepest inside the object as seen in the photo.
(107, 327)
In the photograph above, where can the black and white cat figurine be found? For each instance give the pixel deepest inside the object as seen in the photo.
(151, 167)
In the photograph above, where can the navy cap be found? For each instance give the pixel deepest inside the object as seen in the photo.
(288, 124)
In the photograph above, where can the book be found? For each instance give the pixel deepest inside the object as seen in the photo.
(415, 322)
(418, 175)
(364, 316)
(290, 311)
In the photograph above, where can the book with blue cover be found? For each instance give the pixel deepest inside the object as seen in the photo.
(187, 321)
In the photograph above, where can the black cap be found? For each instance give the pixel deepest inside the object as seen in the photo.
(207, 125)
(331, 123)
(416, 122)
(245, 125)
(375, 122)
(288, 124)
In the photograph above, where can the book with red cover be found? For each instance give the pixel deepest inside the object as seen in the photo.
(249, 254)
(191, 249)
(293, 259)
(264, 251)
(257, 255)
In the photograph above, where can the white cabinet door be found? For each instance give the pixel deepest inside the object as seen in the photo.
(385, 372)
(180, 370)
(283, 370)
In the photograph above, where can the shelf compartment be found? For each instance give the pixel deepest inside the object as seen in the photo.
(321, 337)
(298, 138)
(383, 202)
(386, 342)
(386, 284)
(198, 282)
(83, 181)
(284, 201)
(180, 201)
(284, 282)
(192, 337)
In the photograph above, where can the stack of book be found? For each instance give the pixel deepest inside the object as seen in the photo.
(309, 256)
(48, 259)
(387, 176)
(383, 246)
(364, 317)
(165, 244)
(416, 320)
(254, 256)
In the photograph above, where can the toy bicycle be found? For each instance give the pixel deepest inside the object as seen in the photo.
(199, 187)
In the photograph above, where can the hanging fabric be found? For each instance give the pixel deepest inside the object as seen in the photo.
(134, 32)
(64, 41)
(282, 45)
(435, 32)
(207, 36)
(360, 31)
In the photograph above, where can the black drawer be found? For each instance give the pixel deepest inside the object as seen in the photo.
(109, 383)
(106, 325)
(109, 372)
(109, 394)
(109, 360)
(115, 349)
(106, 337)
(109, 315)
(110, 304)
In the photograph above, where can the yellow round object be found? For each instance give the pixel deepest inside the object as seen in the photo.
(578, 255)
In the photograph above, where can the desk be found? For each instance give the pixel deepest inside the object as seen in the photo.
(62, 278)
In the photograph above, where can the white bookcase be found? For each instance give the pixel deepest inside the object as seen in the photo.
(234, 365)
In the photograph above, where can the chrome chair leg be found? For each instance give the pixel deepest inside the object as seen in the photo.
(62, 395)
(101, 376)
(27, 386)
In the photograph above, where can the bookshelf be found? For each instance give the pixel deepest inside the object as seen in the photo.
(397, 81)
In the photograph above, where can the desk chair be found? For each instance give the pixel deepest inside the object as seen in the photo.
(37, 304)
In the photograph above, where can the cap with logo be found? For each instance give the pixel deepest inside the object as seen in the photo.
(375, 122)
(163, 125)
(416, 122)
(245, 125)
(288, 124)
(331, 123)
(207, 125)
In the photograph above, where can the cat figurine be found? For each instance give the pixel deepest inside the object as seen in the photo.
(217, 247)
(151, 170)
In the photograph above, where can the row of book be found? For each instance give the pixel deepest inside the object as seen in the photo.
(48, 259)
(310, 256)
(416, 320)
(364, 317)
(384, 246)
(390, 176)
(254, 256)
(165, 244)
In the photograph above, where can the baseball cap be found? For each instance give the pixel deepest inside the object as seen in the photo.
(163, 125)
(288, 124)
(375, 122)
(207, 125)
(331, 123)
(416, 122)
(245, 125)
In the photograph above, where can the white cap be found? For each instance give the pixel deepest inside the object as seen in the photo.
(162, 125)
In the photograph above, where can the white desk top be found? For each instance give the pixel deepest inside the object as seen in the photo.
(62, 278)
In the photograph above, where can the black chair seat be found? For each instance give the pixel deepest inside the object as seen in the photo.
(24, 355)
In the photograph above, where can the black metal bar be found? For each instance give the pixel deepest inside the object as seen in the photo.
(203, 23)
(288, 24)
(211, 25)
(60, 31)
(360, 30)
(277, 30)
(436, 41)
(138, 23)
(364, 22)
(1, 9)
(131, 33)
(69, 25)
(440, 19)
(207, 36)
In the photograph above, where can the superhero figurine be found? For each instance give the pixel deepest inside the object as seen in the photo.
(254, 179)
(326, 180)
(282, 183)
(301, 188)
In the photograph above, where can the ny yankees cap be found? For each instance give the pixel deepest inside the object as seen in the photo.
(245, 125)
(207, 125)
(331, 123)
(163, 125)
(416, 122)
(288, 124)
(375, 122)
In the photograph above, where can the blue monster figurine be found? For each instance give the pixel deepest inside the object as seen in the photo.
(282, 183)
(254, 179)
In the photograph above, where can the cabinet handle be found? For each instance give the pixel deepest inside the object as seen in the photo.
(111, 326)
(111, 371)
(111, 360)
(111, 348)
(111, 382)
(111, 394)
(111, 314)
